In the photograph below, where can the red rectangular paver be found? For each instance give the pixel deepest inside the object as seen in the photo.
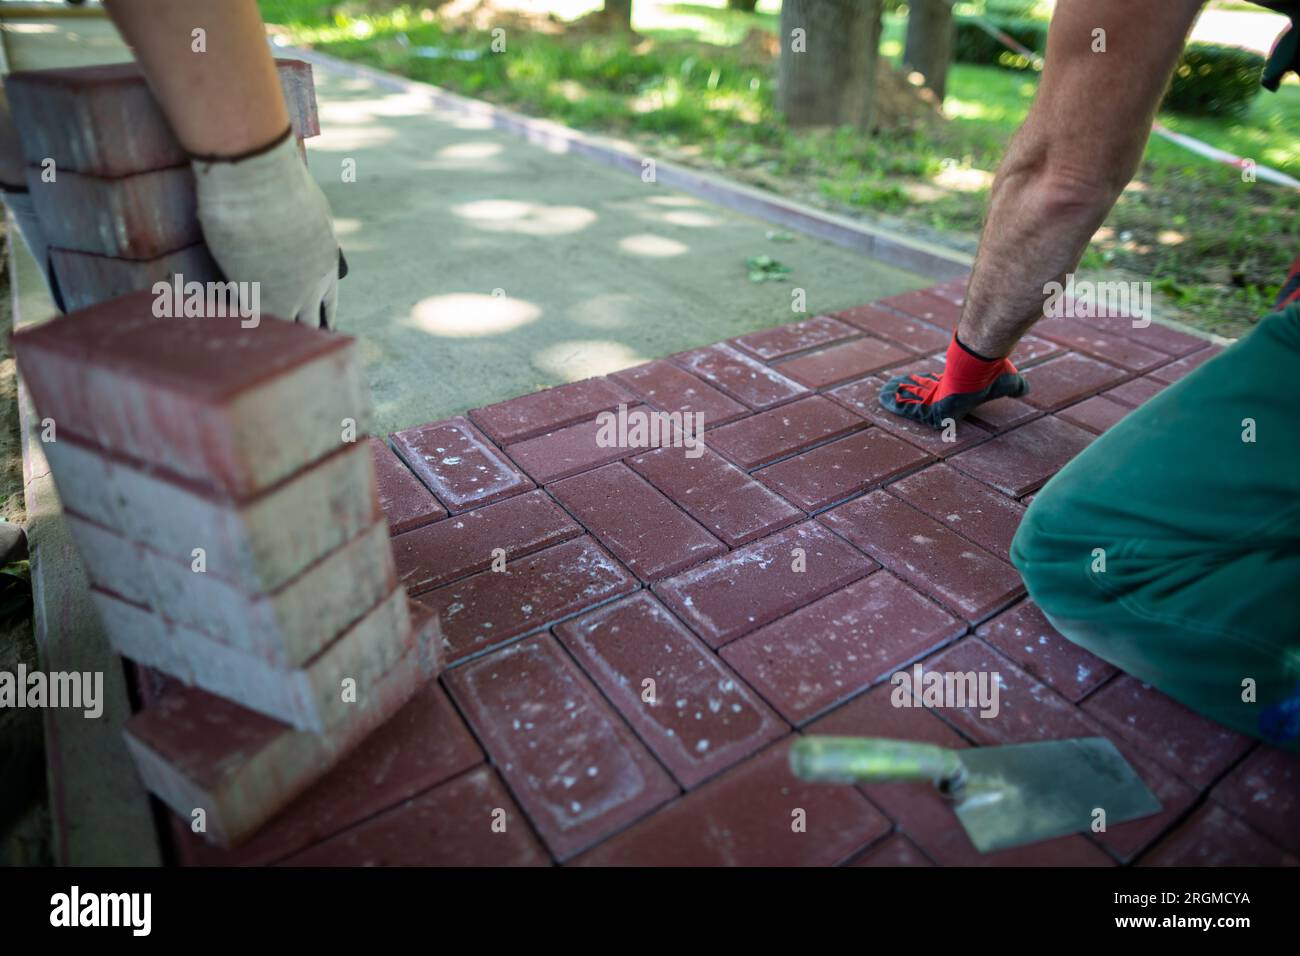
(1096, 414)
(968, 507)
(407, 504)
(781, 432)
(1022, 460)
(533, 592)
(1088, 339)
(749, 817)
(570, 450)
(960, 575)
(1264, 790)
(1029, 711)
(422, 745)
(469, 821)
(840, 363)
(1192, 746)
(738, 592)
(1134, 393)
(459, 464)
(86, 279)
(695, 714)
(922, 305)
(104, 119)
(829, 650)
(1214, 837)
(743, 378)
(896, 850)
(545, 411)
(925, 816)
(642, 528)
(666, 387)
(440, 553)
(572, 763)
(1003, 414)
(1067, 379)
(796, 337)
(953, 290)
(912, 334)
(1032, 350)
(717, 494)
(1175, 371)
(232, 409)
(841, 469)
(1025, 636)
(863, 397)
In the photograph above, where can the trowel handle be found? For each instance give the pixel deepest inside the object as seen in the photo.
(870, 759)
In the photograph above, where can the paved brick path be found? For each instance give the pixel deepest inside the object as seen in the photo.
(625, 566)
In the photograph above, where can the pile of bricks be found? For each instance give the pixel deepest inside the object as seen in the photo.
(111, 185)
(221, 492)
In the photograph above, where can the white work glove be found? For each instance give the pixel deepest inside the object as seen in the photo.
(266, 221)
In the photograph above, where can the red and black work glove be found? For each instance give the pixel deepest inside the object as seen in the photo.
(968, 380)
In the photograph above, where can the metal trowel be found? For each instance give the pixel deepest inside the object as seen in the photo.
(1004, 796)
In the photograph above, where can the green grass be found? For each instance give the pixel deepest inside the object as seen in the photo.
(690, 90)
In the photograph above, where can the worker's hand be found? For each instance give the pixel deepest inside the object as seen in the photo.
(266, 221)
(968, 380)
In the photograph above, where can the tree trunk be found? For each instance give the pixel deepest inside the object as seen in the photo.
(829, 52)
(930, 32)
(619, 13)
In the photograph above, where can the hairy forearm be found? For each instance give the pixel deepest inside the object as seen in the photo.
(221, 100)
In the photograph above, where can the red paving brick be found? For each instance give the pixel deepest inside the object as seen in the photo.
(840, 363)
(1067, 379)
(1028, 638)
(1031, 350)
(1264, 790)
(642, 528)
(533, 592)
(469, 821)
(1082, 337)
(960, 575)
(667, 388)
(407, 504)
(1022, 460)
(717, 494)
(1030, 711)
(896, 850)
(743, 378)
(458, 464)
(1162, 338)
(965, 505)
(785, 340)
(953, 290)
(749, 817)
(696, 715)
(1134, 393)
(567, 451)
(532, 415)
(827, 651)
(447, 550)
(1176, 370)
(738, 592)
(781, 432)
(841, 469)
(911, 334)
(420, 746)
(1214, 837)
(923, 815)
(1003, 414)
(1096, 414)
(1192, 746)
(929, 308)
(573, 765)
(864, 398)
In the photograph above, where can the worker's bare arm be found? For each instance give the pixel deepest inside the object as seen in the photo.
(1075, 153)
(223, 100)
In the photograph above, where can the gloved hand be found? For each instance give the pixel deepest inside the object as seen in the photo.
(968, 380)
(266, 221)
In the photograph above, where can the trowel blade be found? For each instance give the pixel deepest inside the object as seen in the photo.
(1024, 793)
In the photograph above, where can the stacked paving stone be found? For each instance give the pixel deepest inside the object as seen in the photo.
(232, 533)
(111, 185)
